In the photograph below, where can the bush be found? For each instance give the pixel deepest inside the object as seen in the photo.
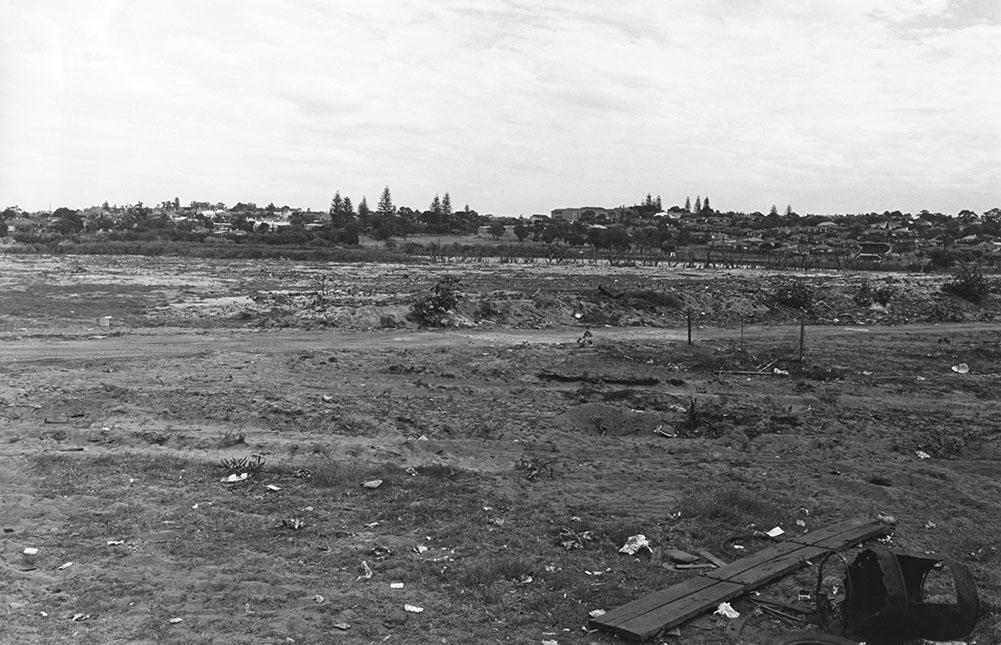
(429, 310)
(969, 283)
(795, 294)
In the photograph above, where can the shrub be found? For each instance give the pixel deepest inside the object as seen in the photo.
(794, 294)
(969, 283)
(429, 310)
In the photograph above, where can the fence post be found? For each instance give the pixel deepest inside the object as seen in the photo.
(802, 335)
(689, 326)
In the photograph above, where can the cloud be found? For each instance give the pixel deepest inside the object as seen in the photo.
(512, 106)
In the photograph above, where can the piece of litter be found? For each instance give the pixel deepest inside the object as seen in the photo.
(801, 524)
(962, 368)
(44, 614)
(634, 544)
(780, 372)
(318, 599)
(594, 613)
(273, 487)
(922, 454)
(413, 609)
(232, 479)
(775, 532)
(396, 585)
(176, 620)
(30, 550)
(677, 555)
(80, 617)
(550, 642)
(739, 547)
(65, 565)
(327, 398)
(804, 596)
(725, 609)
(342, 626)
(920, 378)
(367, 574)
(375, 483)
(930, 525)
(420, 548)
(115, 542)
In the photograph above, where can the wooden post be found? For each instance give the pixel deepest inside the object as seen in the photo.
(802, 335)
(689, 326)
(742, 332)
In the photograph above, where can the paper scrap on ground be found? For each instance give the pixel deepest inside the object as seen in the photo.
(962, 368)
(413, 609)
(635, 543)
(232, 479)
(375, 483)
(725, 609)
(775, 532)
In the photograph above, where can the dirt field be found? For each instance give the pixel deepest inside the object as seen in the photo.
(500, 442)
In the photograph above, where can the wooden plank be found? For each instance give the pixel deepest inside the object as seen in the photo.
(845, 534)
(761, 556)
(653, 601)
(719, 562)
(645, 625)
(764, 572)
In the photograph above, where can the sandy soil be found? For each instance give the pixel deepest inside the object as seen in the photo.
(114, 441)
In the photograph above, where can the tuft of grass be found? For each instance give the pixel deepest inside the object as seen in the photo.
(485, 572)
(733, 507)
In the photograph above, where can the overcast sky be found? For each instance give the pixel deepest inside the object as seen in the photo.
(514, 107)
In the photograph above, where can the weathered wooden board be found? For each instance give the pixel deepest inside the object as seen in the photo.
(843, 534)
(639, 620)
(763, 572)
(646, 616)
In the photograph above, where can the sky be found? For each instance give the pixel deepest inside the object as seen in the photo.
(513, 107)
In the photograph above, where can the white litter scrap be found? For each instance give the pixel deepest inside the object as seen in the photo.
(273, 487)
(232, 479)
(176, 620)
(30, 550)
(396, 585)
(595, 613)
(775, 532)
(65, 565)
(922, 454)
(413, 609)
(727, 610)
(116, 542)
(375, 483)
(367, 572)
(634, 544)
(962, 368)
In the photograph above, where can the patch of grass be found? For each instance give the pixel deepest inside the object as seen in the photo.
(731, 507)
(487, 571)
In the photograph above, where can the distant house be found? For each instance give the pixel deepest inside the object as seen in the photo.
(539, 218)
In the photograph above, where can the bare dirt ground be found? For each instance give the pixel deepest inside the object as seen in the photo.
(495, 440)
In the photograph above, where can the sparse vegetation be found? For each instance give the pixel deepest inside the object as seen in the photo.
(969, 283)
(432, 310)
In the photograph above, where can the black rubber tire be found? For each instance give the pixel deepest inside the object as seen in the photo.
(812, 638)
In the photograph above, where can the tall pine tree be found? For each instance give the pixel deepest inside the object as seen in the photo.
(688, 204)
(705, 206)
(436, 205)
(446, 205)
(698, 205)
(385, 206)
